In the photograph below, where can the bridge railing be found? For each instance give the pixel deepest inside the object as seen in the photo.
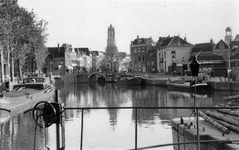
(197, 142)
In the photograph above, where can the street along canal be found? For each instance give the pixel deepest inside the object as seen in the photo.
(108, 128)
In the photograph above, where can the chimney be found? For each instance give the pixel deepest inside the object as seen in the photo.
(159, 38)
(179, 42)
(58, 46)
(185, 38)
(137, 38)
(211, 41)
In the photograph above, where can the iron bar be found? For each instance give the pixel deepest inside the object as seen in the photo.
(81, 142)
(198, 137)
(57, 125)
(136, 120)
(180, 143)
(136, 129)
(70, 108)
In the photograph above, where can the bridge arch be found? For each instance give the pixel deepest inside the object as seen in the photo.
(98, 74)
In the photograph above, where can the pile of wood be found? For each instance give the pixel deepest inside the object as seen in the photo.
(224, 119)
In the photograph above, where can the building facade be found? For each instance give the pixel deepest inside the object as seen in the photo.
(172, 53)
(152, 60)
(139, 49)
(223, 49)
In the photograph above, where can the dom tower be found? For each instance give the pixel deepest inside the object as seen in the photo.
(111, 49)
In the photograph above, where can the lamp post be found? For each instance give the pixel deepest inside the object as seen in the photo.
(194, 66)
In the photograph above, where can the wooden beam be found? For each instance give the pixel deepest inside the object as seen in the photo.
(214, 123)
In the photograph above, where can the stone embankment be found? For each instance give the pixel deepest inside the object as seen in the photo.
(187, 132)
(215, 83)
(220, 126)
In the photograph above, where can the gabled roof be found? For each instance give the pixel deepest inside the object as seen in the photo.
(142, 41)
(235, 57)
(217, 46)
(94, 52)
(236, 38)
(55, 52)
(82, 51)
(202, 47)
(161, 40)
(166, 42)
(234, 45)
(175, 41)
(206, 56)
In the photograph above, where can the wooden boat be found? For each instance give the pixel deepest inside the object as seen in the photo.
(24, 96)
(187, 85)
(129, 80)
(185, 94)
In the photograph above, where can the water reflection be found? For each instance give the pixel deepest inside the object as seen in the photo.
(113, 128)
(19, 133)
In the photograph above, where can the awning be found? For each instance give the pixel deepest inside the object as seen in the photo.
(74, 64)
(69, 67)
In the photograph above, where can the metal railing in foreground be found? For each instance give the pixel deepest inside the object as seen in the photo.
(196, 109)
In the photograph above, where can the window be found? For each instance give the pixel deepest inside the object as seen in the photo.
(164, 54)
(139, 69)
(143, 58)
(221, 45)
(173, 54)
(135, 50)
(139, 58)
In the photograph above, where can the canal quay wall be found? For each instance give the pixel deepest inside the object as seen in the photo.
(188, 133)
(153, 79)
(224, 86)
(215, 83)
(72, 78)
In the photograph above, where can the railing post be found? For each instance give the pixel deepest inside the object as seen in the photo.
(136, 130)
(198, 136)
(82, 115)
(57, 126)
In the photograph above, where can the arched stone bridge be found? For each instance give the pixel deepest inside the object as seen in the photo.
(96, 74)
(102, 76)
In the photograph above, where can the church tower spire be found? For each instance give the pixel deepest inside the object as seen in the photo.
(111, 48)
(111, 36)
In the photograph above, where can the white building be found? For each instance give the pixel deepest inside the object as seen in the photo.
(172, 52)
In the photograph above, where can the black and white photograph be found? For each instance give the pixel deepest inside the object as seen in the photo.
(119, 75)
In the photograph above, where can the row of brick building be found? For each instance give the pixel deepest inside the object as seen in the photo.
(174, 53)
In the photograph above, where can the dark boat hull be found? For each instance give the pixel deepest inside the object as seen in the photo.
(130, 81)
(188, 87)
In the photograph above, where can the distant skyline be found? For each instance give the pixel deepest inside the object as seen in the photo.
(84, 23)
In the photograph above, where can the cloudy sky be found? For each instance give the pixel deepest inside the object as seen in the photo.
(84, 23)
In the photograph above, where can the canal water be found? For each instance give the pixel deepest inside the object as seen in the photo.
(108, 129)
